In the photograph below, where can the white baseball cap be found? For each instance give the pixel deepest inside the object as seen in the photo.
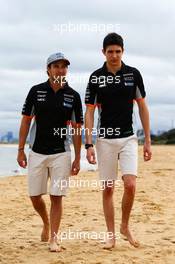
(55, 57)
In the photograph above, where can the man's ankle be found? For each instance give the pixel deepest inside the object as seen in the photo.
(124, 225)
(111, 235)
(54, 238)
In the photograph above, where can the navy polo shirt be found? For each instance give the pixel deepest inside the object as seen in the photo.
(53, 112)
(114, 94)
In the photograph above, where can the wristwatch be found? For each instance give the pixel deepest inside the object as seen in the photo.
(88, 146)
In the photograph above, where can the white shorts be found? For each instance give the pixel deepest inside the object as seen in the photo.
(110, 151)
(41, 167)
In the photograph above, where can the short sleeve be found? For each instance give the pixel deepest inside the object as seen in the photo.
(77, 113)
(28, 107)
(91, 91)
(140, 89)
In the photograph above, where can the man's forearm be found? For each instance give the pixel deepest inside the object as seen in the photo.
(23, 132)
(144, 117)
(77, 143)
(89, 123)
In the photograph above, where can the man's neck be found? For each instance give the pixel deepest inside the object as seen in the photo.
(55, 85)
(114, 69)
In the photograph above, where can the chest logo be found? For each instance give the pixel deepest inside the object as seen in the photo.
(67, 105)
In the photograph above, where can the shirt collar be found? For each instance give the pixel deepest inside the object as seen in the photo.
(62, 88)
(122, 70)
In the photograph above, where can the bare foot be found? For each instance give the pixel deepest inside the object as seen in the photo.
(45, 233)
(54, 247)
(109, 243)
(127, 234)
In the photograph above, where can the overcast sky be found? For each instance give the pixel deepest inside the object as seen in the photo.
(32, 30)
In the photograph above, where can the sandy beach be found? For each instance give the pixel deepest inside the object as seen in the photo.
(152, 220)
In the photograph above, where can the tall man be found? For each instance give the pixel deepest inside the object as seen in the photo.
(53, 105)
(113, 88)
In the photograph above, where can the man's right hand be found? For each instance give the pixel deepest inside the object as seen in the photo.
(22, 159)
(91, 155)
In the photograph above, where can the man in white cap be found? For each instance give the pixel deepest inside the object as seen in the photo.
(53, 105)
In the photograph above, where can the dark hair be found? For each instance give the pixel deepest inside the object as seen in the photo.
(113, 39)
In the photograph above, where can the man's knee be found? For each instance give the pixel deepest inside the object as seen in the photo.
(108, 190)
(129, 184)
(55, 199)
(36, 200)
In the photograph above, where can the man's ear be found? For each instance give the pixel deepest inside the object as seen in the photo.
(103, 51)
(47, 70)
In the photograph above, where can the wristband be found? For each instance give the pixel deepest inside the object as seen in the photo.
(88, 146)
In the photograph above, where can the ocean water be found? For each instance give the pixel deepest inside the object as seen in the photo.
(10, 167)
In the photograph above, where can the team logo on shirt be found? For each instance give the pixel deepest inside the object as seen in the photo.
(44, 92)
(128, 79)
(68, 100)
(41, 97)
(67, 105)
(129, 84)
